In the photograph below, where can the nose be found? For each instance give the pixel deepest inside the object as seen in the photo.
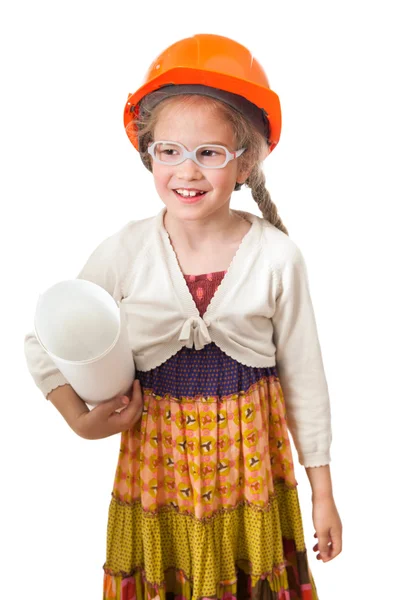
(188, 169)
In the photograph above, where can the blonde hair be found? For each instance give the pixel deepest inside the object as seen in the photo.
(246, 137)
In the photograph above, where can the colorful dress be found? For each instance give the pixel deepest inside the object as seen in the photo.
(204, 503)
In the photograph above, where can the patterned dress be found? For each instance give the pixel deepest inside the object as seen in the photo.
(204, 503)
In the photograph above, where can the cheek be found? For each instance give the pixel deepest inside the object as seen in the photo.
(224, 178)
(161, 177)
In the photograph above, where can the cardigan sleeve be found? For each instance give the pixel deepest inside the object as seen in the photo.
(300, 365)
(100, 268)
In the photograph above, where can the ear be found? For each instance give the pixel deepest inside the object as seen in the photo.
(242, 176)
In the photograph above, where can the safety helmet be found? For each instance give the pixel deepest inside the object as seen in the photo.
(215, 66)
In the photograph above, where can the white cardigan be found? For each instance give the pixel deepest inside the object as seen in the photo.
(261, 315)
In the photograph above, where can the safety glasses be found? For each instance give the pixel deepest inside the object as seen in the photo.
(208, 156)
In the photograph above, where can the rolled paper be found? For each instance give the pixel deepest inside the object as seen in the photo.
(83, 330)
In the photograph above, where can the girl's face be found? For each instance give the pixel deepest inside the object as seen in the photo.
(192, 125)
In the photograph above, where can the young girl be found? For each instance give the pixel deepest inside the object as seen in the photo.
(223, 335)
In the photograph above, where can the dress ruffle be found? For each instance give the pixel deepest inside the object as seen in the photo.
(205, 493)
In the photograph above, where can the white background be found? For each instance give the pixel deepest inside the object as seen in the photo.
(70, 178)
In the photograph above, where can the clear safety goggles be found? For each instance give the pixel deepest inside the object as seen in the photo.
(208, 156)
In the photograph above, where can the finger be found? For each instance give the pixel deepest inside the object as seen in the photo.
(134, 389)
(129, 393)
(336, 543)
(326, 557)
(323, 545)
(109, 407)
(319, 557)
(125, 399)
(136, 396)
(135, 407)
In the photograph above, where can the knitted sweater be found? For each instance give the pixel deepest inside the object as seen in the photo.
(261, 315)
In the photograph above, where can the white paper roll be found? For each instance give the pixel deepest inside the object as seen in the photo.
(82, 328)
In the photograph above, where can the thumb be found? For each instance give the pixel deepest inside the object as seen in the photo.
(136, 402)
(137, 392)
(323, 547)
(114, 404)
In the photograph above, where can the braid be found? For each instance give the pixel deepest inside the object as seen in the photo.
(256, 182)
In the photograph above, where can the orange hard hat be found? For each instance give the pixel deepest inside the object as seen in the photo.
(217, 66)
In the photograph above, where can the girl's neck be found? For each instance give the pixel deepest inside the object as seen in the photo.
(195, 235)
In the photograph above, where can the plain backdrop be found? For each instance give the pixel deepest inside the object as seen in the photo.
(70, 178)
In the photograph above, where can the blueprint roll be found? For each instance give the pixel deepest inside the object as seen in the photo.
(83, 330)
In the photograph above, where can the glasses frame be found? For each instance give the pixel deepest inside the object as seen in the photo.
(192, 154)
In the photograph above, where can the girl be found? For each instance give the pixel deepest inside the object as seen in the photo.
(223, 334)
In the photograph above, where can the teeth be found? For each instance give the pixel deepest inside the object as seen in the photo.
(187, 193)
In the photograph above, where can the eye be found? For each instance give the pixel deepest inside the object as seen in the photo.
(210, 152)
(168, 151)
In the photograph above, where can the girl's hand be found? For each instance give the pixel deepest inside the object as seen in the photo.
(328, 527)
(104, 420)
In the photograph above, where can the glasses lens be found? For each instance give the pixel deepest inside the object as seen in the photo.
(211, 156)
(168, 153)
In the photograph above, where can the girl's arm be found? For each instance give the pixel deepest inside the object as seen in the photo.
(305, 390)
(300, 364)
(320, 481)
(326, 519)
(68, 404)
(108, 418)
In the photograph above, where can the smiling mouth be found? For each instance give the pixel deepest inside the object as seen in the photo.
(189, 193)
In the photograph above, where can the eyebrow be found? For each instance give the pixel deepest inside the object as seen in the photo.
(206, 143)
(218, 143)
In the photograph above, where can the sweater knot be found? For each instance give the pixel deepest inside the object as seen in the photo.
(195, 331)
